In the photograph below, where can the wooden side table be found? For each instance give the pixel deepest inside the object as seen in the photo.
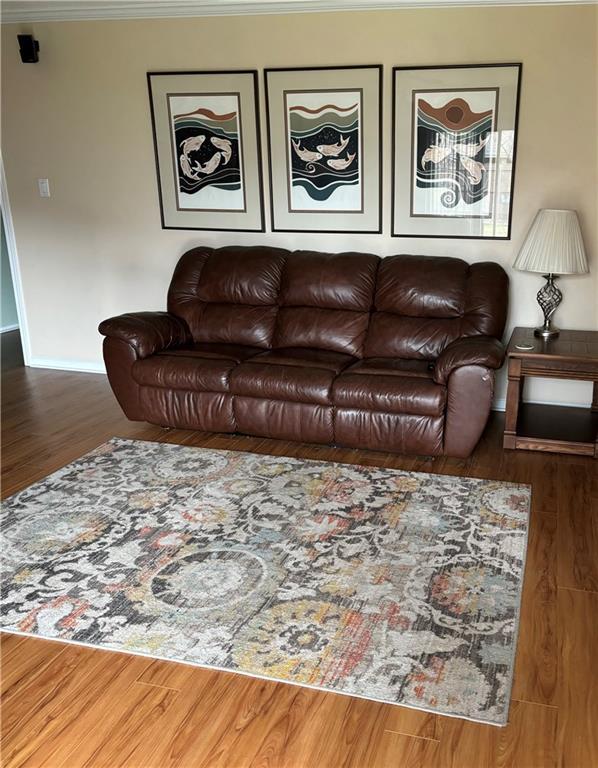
(538, 427)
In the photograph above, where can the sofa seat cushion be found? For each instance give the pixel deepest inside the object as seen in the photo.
(209, 351)
(393, 366)
(187, 370)
(297, 375)
(310, 358)
(372, 386)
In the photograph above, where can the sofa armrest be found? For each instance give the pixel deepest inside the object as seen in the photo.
(472, 350)
(147, 332)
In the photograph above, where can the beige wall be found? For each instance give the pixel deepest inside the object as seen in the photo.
(80, 118)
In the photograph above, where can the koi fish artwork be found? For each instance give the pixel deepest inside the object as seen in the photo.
(207, 147)
(324, 150)
(340, 164)
(305, 154)
(225, 146)
(333, 150)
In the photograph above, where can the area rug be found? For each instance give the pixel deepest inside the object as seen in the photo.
(400, 587)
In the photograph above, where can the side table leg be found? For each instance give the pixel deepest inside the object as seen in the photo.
(513, 400)
(595, 410)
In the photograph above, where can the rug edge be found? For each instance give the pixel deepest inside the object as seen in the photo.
(311, 461)
(517, 617)
(215, 668)
(133, 440)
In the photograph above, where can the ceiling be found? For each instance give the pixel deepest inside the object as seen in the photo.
(72, 10)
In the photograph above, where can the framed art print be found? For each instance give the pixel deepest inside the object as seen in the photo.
(207, 145)
(454, 148)
(324, 133)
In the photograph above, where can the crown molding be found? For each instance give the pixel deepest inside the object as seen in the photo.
(15, 11)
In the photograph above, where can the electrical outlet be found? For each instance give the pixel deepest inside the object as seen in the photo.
(44, 187)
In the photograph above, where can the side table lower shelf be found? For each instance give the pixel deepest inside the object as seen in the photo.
(557, 428)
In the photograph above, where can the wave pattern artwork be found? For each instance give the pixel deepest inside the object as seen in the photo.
(208, 158)
(324, 154)
(453, 154)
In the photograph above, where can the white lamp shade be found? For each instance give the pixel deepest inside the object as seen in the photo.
(553, 245)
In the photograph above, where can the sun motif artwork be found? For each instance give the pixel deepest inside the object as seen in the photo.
(454, 153)
(323, 150)
(206, 143)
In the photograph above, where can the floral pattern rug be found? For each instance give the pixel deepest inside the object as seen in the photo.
(400, 587)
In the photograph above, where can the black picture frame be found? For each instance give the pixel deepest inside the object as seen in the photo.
(302, 224)
(395, 173)
(214, 220)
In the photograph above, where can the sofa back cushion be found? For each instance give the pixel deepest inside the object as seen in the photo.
(325, 301)
(423, 303)
(228, 295)
(408, 307)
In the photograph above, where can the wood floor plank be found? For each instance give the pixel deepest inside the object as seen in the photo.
(461, 742)
(251, 722)
(537, 647)
(27, 475)
(545, 484)
(8, 643)
(411, 722)
(305, 728)
(528, 741)
(578, 679)
(135, 718)
(313, 726)
(333, 732)
(396, 750)
(577, 528)
(259, 727)
(30, 699)
(123, 712)
(64, 747)
(360, 735)
(169, 674)
(25, 663)
(52, 704)
(515, 469)
(205, 721)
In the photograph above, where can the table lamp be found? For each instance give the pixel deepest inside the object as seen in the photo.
(553, 247)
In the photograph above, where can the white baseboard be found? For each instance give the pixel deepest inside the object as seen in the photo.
(7, 328)
(79, 366)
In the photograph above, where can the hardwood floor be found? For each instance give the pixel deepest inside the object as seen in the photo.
(65, 706)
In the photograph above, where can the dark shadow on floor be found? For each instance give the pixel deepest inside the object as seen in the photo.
(11, 351)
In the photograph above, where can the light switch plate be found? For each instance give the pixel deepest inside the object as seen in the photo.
(44, 187)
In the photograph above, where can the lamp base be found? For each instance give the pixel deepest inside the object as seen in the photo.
(546, 332)
(549, 297)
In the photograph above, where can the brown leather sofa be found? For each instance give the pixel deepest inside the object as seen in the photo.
(395, 354)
